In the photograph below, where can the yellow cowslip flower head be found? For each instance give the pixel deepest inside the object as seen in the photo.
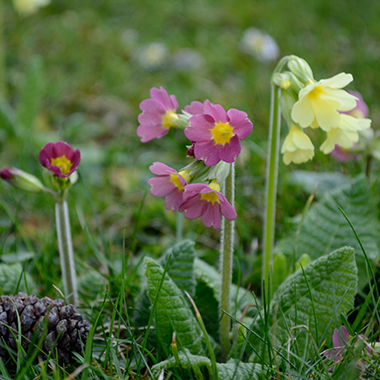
(297, 146)
(319, 103)
(346, 134)
(28, 7)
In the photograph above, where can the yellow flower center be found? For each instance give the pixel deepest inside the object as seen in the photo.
(314, 93)
(222, 133)
(169, 118)
(63, 163)
(212, 197)
(174, 179)
(185, 174)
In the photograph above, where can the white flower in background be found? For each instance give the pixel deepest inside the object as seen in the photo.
(28, 7)
(187, 59)
(153, 56)
(260, 45)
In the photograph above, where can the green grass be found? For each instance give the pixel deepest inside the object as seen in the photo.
(91, 84)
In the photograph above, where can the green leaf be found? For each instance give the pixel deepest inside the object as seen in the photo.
(232, 370)
(187, 361)
(325, 229)
(326, 181)
(172, 311)
(30, 94)
(16, 257)
(11, 276)
(332, 280)
(208, 307)
(237, 370)
(209, 275)
(280, 270)
(181, 266)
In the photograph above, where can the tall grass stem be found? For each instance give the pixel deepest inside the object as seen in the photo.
(66, 254)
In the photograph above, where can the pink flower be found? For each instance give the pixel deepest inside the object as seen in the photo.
(341, 339)
(168, 183)
(207, 203)
(158, 116)
(195, 108)
(361, 110)
(60, 158)
(216, 133)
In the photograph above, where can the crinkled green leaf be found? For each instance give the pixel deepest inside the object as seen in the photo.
(325, 229)
(187, 360)
(332, 280)
(209, 275)
(208, 307)
(180, 270)
(92, 284)
(173, 312)
(232, 370)
(181, 266)
(237, 370)
(326, 181)
(10, 277)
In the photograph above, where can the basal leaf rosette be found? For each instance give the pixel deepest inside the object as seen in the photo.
(215, 133)
(206, 202)
(60, 158)
(158, 116)
(168, 183)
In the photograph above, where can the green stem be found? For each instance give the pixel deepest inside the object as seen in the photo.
(179, 227)
(65, 247)
(3, 90)
(227, 249)
(271, 188)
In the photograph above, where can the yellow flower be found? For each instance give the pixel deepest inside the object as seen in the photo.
(346, 135)
(27, 7)
(335, 136)
(320, 102)
(297, 146)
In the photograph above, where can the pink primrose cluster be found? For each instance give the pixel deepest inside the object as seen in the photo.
(214, 135)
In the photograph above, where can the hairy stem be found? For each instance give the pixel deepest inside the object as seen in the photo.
(65, 247)
(227, 249)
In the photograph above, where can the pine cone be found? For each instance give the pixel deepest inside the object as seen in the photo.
(63, 322)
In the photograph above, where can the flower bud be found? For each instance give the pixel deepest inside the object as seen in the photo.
(287, 101)
(300, 68)
(22, 180)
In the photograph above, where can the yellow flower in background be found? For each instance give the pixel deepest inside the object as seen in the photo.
(28, 7)
(320, 102)
(297, 146)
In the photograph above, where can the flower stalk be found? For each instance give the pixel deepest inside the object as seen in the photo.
(66, 254)
(227, 244)
(271, 182)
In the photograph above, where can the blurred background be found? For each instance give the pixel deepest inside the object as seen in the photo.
(88, 65)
